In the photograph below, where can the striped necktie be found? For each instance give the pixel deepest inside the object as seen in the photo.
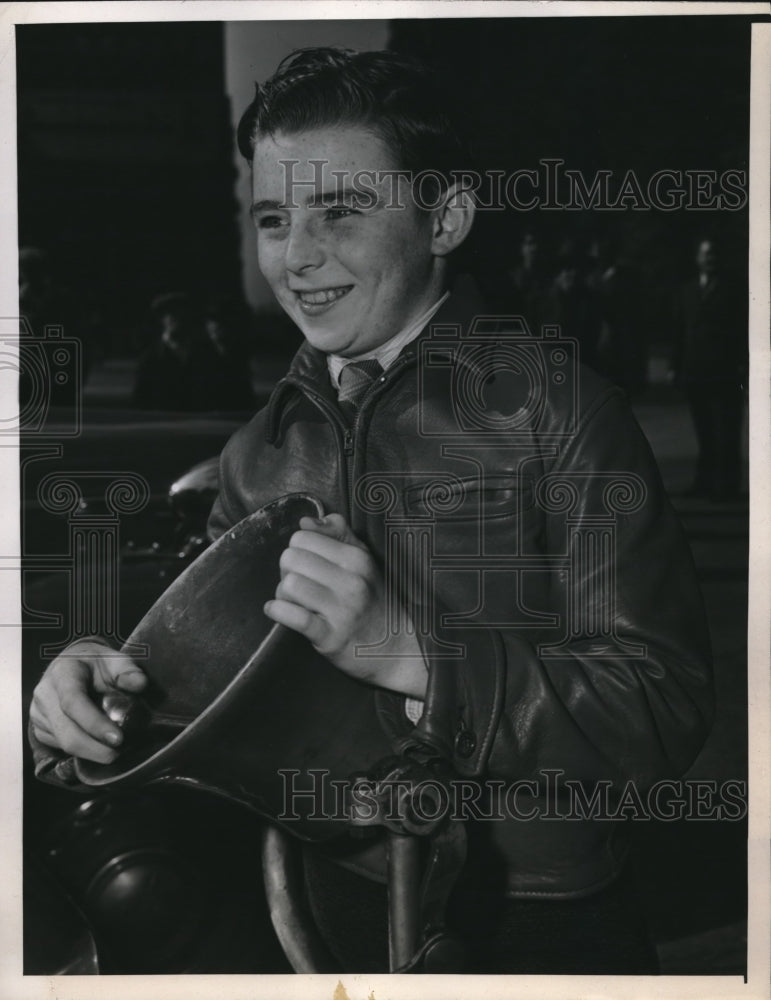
(355, 379)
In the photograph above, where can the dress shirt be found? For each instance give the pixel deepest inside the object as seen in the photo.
(388, 352)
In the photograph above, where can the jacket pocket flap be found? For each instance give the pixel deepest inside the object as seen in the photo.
(462, 499)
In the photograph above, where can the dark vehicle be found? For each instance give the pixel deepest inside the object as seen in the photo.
(161, 880)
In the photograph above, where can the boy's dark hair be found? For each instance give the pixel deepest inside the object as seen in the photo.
(390, 94)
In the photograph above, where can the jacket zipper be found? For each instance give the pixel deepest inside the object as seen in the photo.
(348, 434)
(348, 449)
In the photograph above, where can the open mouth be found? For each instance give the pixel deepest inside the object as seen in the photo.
(313, 302)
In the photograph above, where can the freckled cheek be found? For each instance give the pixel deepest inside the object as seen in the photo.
(270, 263)
(379, 261)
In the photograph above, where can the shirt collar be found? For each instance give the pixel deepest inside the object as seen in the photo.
(386, 353)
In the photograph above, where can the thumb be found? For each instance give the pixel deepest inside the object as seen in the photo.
(333, 526)
(116, 670)
(131, 680)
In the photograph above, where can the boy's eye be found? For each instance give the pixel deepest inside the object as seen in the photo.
(269, 222)
(340, 211)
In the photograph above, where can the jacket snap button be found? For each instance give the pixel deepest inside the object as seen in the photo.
(465, 743)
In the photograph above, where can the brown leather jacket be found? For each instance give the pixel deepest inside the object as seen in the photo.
(556, 599)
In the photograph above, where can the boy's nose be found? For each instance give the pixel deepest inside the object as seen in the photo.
(303, 249)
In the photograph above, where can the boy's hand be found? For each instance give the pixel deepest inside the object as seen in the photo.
(332, 592)
(64, 713)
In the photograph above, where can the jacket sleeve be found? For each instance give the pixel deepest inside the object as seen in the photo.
(229, 508)
(635, 704)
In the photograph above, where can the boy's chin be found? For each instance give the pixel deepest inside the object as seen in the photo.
(331, 343)
(326, 337)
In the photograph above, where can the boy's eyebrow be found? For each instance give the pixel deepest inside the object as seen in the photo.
(260, 206)
(345, 192)
(313, 199)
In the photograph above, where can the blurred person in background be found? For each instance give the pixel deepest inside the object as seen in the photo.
(573, 305)
(711, 366)
(229, 329)
(622, 346)
(194, 363)
(530, 281)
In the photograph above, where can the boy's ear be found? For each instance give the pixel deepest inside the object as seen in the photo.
(452, 220)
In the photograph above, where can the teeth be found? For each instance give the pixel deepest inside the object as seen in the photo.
(322, 297)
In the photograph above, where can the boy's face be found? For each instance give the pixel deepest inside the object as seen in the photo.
(351, 269)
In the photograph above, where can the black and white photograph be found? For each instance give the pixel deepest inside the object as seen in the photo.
(385, 437)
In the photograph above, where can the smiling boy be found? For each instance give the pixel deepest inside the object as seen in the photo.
(514, 651)
(358, 275)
